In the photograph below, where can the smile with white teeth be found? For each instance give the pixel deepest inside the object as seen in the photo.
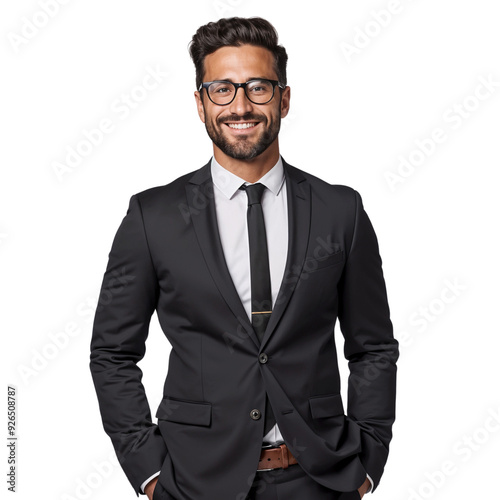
(241, 126)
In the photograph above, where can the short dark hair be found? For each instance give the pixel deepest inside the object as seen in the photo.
(233, 32)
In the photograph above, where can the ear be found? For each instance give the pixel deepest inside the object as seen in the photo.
(199, 105)
(285, 102)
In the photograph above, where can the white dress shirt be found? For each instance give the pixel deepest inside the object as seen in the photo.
(231, 205)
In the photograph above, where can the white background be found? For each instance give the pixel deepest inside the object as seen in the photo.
(352, 120)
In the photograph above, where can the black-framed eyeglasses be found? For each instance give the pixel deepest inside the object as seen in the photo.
(258, 91)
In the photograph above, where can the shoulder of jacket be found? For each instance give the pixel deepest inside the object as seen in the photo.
(345, 192)
(170, 191)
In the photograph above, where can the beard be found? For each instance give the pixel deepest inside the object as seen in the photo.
(244, 147)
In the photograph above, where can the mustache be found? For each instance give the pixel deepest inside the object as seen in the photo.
(244, 118)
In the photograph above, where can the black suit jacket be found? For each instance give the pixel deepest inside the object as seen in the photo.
(167, 256)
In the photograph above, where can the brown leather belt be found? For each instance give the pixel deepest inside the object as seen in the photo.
(275, 458)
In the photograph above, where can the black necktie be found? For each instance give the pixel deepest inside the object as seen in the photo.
(259, 273)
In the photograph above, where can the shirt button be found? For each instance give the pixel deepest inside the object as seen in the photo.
(263, 358)
(255, 414)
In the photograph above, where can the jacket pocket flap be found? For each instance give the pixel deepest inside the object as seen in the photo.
(185, 412)
(326, 406)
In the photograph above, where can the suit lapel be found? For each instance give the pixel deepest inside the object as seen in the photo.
(200, 198)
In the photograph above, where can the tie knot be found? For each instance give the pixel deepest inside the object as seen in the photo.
(254, 192)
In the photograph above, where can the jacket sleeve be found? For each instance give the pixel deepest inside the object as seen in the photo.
(126, 302)
(369, 347)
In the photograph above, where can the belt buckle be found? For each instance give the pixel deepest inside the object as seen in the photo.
(267, 446)
(284, 457)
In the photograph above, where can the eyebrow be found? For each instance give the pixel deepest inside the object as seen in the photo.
(251, 78)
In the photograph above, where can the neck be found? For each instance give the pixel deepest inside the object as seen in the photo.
(250, 170)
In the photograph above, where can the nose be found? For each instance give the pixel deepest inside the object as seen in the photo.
(241, 104)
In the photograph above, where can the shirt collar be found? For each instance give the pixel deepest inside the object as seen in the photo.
(229, 183)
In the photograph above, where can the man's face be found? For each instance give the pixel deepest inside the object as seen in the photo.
(261, 122)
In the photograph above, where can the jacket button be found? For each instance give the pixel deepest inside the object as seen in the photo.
(263, 358)
(255, 414)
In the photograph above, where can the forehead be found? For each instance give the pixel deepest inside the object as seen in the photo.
(239, 64)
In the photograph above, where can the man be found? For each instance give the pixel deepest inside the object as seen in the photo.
(248, 262)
